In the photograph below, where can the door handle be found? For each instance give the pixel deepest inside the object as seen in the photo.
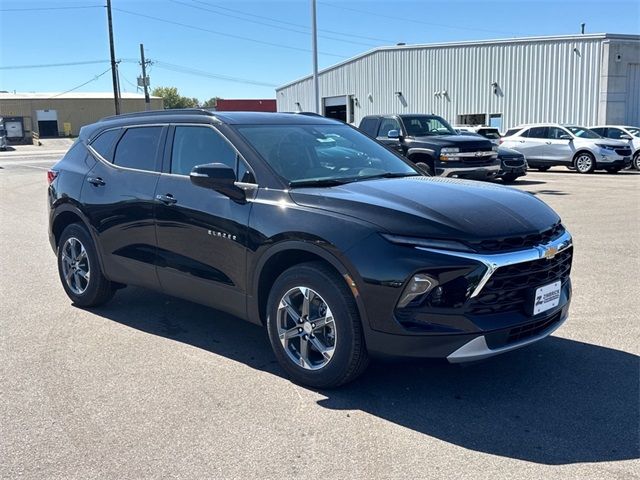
(166, 199)
(96, 181)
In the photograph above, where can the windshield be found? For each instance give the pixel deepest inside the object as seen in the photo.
(426, 126)
(634, 131)
(329, 154)
(491, 133)
(583, 132)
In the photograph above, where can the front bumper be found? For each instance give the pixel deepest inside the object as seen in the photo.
(613, 161)
(489, 171)
(512, 166)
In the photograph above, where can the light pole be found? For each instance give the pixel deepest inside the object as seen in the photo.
(314, 42)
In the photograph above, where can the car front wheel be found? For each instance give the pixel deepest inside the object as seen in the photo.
(80, 270)
(585, 163)
(636, 161)
(314, 327)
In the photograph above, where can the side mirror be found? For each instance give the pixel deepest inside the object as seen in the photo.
(218, 177)
(566, 137)
(624, 136)
(393, 134)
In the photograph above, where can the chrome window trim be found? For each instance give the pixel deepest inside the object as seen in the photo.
(493, 262)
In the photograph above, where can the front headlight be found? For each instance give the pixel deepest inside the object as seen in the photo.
(449, 153)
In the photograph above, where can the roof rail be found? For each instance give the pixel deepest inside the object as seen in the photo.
(150, 113)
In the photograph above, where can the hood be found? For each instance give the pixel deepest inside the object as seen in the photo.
(434, 207)
(603, 141)
(465, 142)
(504, 152)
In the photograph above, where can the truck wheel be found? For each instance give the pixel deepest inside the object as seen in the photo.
(79, 269)
(314, 327)
(425, 168)
(585, 163)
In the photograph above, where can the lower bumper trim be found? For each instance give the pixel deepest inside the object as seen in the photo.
(477, 349)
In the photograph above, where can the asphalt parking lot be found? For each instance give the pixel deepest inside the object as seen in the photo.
(153, 387)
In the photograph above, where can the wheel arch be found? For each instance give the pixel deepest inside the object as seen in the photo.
(579, 152)
(285, 255)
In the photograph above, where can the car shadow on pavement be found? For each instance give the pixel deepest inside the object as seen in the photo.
(556, 402)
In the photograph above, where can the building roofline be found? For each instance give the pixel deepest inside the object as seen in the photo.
(588, 36)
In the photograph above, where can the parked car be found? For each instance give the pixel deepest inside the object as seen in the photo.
(341, 257)
(490, 133)
(434, 146)
(620, 132)
(3, 139)
(546, 145)
(513, 164)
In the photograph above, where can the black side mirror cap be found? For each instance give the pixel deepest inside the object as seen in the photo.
(218, 177)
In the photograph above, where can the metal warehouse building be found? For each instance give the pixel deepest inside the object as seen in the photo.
(54, 114)
(584, 79)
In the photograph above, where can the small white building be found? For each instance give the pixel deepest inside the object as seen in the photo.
(583, 79)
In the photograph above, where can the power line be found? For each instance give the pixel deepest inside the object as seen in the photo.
(48, 8)
(275, 20)
(96, 77)
(228, 35)
(51, 65)
(201, 73)
(412, 20)
(268, 25)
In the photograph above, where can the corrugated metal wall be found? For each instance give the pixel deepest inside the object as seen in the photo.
(538, 81)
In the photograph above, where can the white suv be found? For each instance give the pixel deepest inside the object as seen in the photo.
(623, 132)
(549, 144)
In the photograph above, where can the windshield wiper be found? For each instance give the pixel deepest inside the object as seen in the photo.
(390, 175)
(321, 182)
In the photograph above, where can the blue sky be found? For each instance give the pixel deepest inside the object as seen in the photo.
(266, 42)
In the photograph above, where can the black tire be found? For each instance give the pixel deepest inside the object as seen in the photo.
(613, 170)
(635, 163)
(425, 168)
(98, 289)
(584, 162)
(509, 177)
(543, 169)
(349, 358)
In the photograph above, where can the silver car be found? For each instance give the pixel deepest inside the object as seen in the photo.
(546, 145)
(623, 132)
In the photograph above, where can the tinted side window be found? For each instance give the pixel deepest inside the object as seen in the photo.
(555, 133)
(600, 131)
(613, 133)
(513, 131)
(368, 126)
(537, 132)
(104, 143)
(243, 173)
(199, 145)
(388, 124)
(138, 148)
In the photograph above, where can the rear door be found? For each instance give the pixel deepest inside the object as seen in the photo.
(532, 143)
(202, 234)
(119, 200)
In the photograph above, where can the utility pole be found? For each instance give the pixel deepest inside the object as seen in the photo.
(314, 35)
(114, 65)
(145, 79)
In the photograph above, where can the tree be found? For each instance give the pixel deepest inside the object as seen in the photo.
(211, 103)
(172, 99)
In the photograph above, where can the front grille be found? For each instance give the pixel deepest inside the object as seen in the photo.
(510, 288)
(534, 329)
(624, 152)
(483, 161)
(514, 162)
(518, 243)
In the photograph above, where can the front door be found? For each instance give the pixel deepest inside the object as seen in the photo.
(388, 124)
(532, 144)
(558, 149)
(201, 234)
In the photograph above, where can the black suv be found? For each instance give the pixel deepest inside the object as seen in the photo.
(434, 146)
(305, 225)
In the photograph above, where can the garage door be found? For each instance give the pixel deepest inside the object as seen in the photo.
(632, 110)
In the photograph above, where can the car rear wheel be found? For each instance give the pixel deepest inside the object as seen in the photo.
(636, 161)
(314, 327)
(79, 269)
(543, 169)
(585, 163)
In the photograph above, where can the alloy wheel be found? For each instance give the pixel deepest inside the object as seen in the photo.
(584, 163)
(75, 265)
(306, 328)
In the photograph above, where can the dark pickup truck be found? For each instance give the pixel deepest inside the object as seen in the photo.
(434, 146)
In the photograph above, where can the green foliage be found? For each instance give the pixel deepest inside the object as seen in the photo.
(173, 99)
(211, 103)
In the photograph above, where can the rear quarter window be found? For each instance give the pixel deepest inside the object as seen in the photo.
(138, 148)
(103, 144)
(512, 132)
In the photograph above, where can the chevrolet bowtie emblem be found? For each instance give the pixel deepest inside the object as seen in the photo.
(550, 252)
